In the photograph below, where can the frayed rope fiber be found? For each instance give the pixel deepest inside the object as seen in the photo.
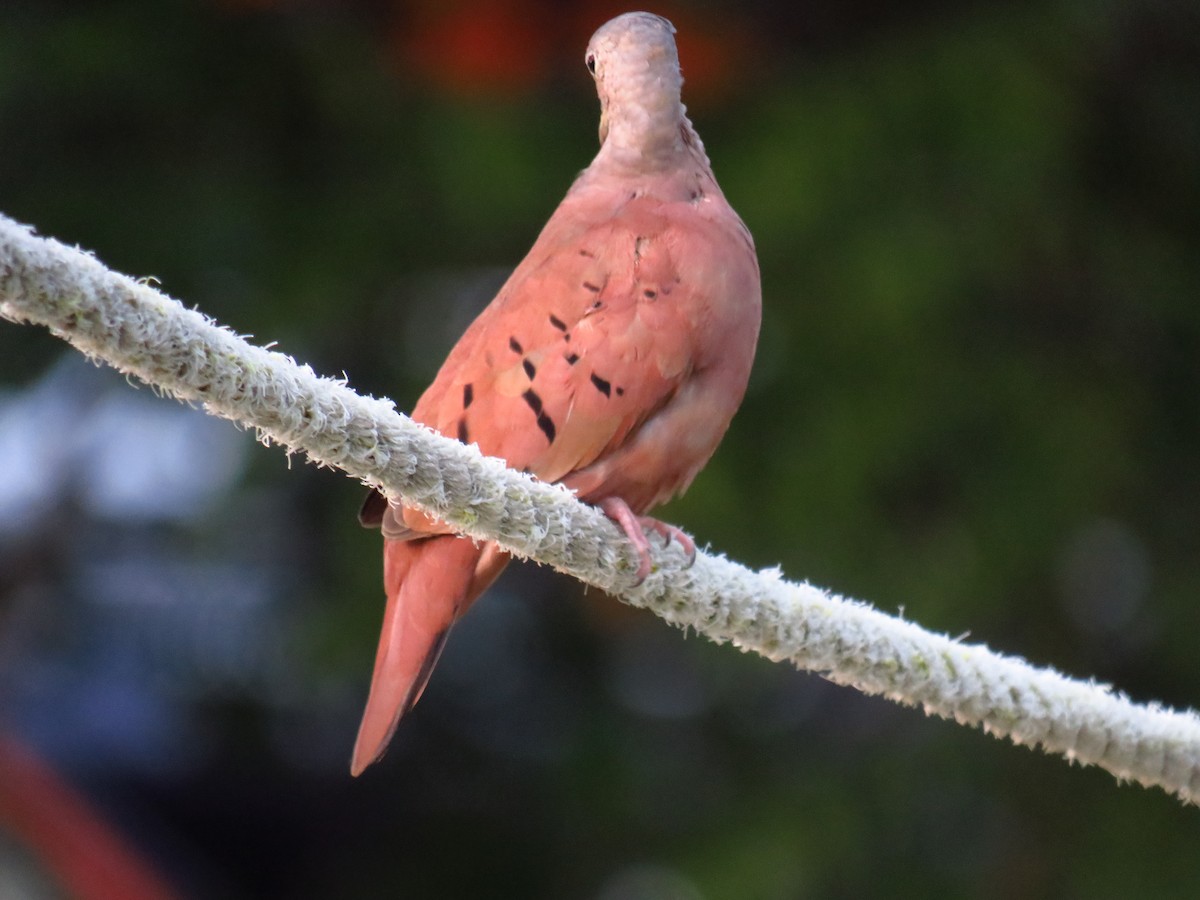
(142, 332)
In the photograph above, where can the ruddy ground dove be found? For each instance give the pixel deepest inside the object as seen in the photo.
(611, 360)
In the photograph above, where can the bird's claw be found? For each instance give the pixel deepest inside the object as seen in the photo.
(669, 533)
(635, 528)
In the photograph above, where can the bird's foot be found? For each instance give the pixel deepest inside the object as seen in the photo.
(671, 533)
(635, 528)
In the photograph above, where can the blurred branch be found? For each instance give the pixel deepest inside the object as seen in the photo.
(142, 332)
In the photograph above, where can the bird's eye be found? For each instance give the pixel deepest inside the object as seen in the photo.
(591, 63)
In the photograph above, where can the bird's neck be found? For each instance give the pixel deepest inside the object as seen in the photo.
(646, 141)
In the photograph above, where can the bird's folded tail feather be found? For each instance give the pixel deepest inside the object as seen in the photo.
(429, 584)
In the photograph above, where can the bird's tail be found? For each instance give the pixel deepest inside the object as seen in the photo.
(429, 584)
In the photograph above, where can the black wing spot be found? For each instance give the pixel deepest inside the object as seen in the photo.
(514, 345)
(535, 402)
(544, 422)
(649, 294)
(463, 435)
(468, 395)
(638, 246)
(529, 368)
(588, 286)
(571, 358)
(557, 322)
(602, 386)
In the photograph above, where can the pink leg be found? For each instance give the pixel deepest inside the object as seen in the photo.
(633, 526)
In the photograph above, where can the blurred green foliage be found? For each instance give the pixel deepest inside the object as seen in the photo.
(975, 401)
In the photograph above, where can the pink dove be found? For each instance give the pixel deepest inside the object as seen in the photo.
(612, 360)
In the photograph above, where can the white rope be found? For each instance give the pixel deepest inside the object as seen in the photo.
(142, 332)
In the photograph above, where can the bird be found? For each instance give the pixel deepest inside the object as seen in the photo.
(611, 361)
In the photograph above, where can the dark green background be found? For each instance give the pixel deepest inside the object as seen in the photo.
(976, 400)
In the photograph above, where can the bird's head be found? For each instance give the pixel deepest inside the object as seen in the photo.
(636, 68)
